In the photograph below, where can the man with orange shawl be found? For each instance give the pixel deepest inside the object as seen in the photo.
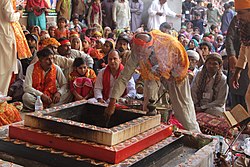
(162, 60)
(243, 14)
(45, 79)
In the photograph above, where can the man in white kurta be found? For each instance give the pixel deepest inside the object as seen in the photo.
(114, 62)
(31, 93)
(99, 86)
(8, 56)
(158, 12)
(121, 14)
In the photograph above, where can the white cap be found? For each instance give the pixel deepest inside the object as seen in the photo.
(193, 54)
(102, 40)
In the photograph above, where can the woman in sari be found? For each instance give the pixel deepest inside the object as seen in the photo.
(36, 13)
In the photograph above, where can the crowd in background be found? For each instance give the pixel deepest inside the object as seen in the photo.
(91, 36)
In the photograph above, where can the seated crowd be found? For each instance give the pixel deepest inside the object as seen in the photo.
(70, 64)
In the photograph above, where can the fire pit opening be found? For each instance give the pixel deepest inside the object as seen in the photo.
(94, 115)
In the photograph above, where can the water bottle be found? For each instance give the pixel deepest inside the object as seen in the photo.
(38, 104)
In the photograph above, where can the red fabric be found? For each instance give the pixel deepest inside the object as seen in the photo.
(60, 34)
(120, 106)
(173, 121)
(88, 51)
(95, 9)
(96, 53)
(213, 125)
(13, 78)
(106, 80)
(82, 85)
(63, 42)
(142, 43)
(37, 3)
(45, 84)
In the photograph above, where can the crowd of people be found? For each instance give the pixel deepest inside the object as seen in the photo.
(100, 51)
(82, 55)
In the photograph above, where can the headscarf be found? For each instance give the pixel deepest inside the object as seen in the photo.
(98, 33)
(74, 34)
(50, 41)
(112, 42)
(193, 54)
(80, 41)
(105, 30)
(196, 44)
(215, 56)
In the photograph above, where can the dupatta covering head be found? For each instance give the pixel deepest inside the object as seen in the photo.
(50, 41)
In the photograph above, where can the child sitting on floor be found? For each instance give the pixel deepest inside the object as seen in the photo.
(81, 80)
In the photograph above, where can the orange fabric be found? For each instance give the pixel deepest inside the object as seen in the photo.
(45, 84)
(8, 114)
(82, 84)
(14, 4)
(23, 49)
(242, 4)
(171, 57)
(96, 53)
(50, 41)
(141, 43)
(60, 34)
